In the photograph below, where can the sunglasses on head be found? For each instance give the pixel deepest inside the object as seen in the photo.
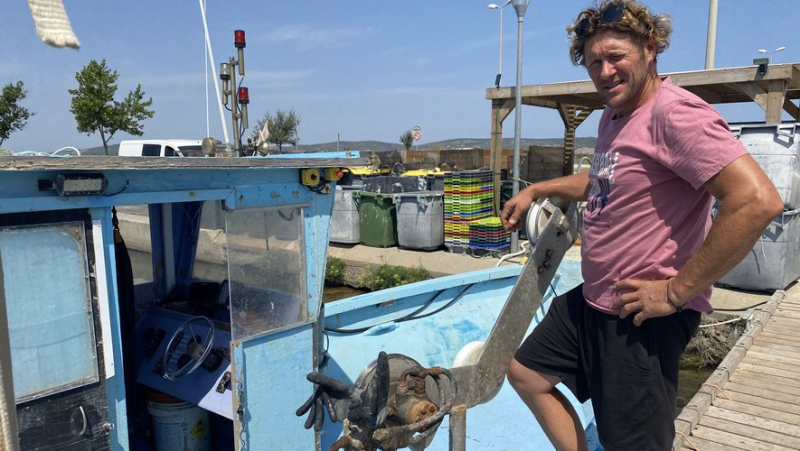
(609, 16)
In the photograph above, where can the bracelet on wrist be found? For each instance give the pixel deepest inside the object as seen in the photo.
(677, 308)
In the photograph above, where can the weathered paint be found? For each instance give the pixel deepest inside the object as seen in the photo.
(274, 386)
(109, 321)
(503, 423)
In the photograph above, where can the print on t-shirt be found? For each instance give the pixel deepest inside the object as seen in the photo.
(602, 179)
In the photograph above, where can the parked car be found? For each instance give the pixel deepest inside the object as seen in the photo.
(161, 148)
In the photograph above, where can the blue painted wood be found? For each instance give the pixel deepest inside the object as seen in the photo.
(115, 385)
(126, 187)
(274, 386)
(423, 287)
(185, 230)
(463, 316)
(158, 251)
(269, 369)
(316, 223)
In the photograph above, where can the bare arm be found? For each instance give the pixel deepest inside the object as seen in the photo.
(572, 187)
(748, 202)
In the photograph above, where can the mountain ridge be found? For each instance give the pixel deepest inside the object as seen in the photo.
(380, 146)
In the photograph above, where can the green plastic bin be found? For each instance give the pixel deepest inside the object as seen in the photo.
(378, 219)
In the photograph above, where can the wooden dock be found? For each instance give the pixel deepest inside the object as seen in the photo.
(752, 400)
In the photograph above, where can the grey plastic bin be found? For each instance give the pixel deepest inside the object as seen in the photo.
(774, 261)
(345, 222)
(420, 219)
(776, 148)
(389, 184)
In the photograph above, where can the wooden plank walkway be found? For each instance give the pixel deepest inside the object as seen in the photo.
(752, 400)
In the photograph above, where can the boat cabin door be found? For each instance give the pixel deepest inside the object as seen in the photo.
(49, 279)
(276, 271)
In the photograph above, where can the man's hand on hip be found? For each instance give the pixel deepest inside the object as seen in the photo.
(647, 300)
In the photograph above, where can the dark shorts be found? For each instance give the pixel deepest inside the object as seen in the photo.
(630, 373)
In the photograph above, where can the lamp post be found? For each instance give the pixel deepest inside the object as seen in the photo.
(711, 36)
(500, 64)
(770, 52)
(520, 6)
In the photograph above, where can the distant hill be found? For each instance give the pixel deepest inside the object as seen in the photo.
(113, 150)
(379, 146)
(458, 143)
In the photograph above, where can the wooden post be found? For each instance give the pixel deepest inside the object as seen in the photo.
(569, 141)
(500, 111)
(571, 122)
(777, 92)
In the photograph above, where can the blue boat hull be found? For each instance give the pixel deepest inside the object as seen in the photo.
(466, 308)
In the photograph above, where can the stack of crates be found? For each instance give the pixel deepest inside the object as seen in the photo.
(467, 197)
(486, 235)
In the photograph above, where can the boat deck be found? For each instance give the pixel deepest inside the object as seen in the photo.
(752, 400)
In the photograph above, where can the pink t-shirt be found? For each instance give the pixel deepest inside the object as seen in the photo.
(648, 212)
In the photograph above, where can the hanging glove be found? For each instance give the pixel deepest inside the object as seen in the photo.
(343, 401)
(331, 394)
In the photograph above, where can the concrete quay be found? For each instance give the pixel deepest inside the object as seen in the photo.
(443, 263)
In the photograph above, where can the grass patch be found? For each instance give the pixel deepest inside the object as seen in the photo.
(334, 271)
(385, 276)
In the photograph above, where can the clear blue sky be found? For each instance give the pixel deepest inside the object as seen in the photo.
(365, 70)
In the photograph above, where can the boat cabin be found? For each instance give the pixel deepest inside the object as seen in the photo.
(150, 288)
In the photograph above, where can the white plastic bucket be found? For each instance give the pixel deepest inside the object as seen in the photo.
(178, 425)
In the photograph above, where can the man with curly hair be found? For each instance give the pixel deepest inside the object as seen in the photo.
(650, 252)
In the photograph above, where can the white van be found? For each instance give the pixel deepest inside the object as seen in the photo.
(161, 148)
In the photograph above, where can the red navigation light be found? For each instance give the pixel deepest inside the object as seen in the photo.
(238, 39)
(244, 96)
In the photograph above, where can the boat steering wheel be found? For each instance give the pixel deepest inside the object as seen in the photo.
(183, 356)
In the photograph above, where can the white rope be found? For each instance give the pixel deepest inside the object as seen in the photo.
(721, 323)
(52, 23)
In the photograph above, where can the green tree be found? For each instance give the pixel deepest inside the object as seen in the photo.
(282, 128)
(95, 109)
(407, 139)
(13, 116)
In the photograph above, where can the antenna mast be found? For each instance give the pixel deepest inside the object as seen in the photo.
(214, 73)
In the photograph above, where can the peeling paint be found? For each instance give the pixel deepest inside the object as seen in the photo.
(296, 194)
(274, 195)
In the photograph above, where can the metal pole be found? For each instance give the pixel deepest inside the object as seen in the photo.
(500, 63)
(520, 6)
(214, 73)
(711, 39)
(237, 142)
(458, 428)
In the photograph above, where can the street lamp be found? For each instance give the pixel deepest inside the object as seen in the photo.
(770, 52)
(520, 6)
(500, 65)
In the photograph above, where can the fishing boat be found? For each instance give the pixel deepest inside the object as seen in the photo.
(212, 348)
(208, 342)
